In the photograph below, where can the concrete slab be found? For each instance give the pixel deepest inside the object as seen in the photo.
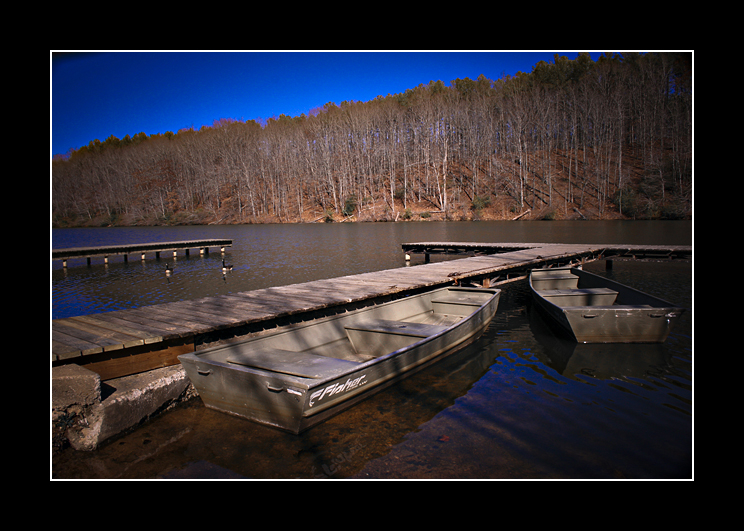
(132, 400)
(74, 385)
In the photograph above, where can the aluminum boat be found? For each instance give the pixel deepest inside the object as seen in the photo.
(594, 309)
(297, 376)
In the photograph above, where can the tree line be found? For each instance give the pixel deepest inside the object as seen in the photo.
(604, 138)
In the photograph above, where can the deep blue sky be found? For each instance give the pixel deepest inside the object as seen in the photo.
(98, 95)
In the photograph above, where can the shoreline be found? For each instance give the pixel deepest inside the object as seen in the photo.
(103, 222)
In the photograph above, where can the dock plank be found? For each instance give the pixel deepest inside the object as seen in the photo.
(256, 308)
(269, 303)
(159, 319)
(122, 327)
(116, 337)
(223, 310)
(355, 289)
(200, 313)
(97, 337)
(145, 322)
(65, 346)
(176, 314)
(298, 291)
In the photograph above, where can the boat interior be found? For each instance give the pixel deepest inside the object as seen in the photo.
(566, 289)
(332, 345)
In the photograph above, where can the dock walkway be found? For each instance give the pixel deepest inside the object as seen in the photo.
(137, 248)
(124, 342)
(478, 248)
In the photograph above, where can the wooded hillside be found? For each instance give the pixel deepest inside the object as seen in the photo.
(571, 139)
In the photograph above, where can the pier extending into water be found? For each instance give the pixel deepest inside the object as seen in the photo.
(124, 342)
(137, 248)
(478, 248)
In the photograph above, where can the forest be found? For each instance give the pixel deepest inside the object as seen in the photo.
(572, 139)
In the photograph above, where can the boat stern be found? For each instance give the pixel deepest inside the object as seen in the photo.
(246, 393)
(621, 323)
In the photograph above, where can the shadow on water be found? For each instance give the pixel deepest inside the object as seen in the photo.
(516, 403)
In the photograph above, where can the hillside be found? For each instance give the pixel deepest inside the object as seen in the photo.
(566, 197)
(572, 140)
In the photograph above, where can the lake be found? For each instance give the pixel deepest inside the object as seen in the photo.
(518, 403)
(280, 254)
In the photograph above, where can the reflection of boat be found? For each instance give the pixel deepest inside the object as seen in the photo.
(298, 376)
(598, 360)
(594, 309)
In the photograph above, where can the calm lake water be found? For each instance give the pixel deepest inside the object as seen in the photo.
(281, 254)
(516, 404)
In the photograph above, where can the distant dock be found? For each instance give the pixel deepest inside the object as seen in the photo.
(479, 249)
(124, 342)
(137, 248)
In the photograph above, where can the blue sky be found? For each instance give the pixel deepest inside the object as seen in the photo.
(96, 95)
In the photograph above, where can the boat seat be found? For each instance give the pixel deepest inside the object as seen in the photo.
(558, 281)
(612, 307)
(582, 291)
(381, 336)
(301, 364)
(555, 276)
(580, 297)
(404, 328)
(457, 298)
(457, 303)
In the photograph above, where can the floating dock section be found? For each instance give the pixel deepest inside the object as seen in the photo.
(124, 342)
(138, 248)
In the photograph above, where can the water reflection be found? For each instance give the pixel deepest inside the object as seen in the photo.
(602, 361)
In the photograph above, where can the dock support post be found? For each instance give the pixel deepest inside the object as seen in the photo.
(175, 253)
(105, 259)
(426, 258)
(608, 265)
(126, 258)
(88, 259)
(64, 263)
(201, 251)
(143, 256)
(157, 255)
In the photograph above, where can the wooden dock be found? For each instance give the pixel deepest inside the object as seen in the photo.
(137, 248)
(477, 248)
(125, 342)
